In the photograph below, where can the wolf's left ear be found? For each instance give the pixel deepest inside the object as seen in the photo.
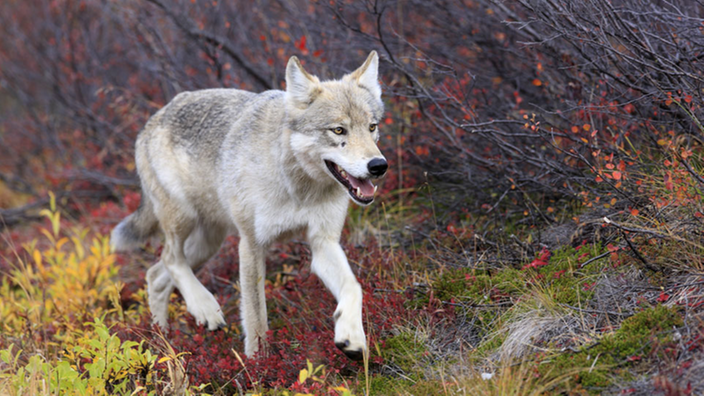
(368, 75)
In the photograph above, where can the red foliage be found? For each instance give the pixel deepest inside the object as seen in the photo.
(542, 259)
(301, 324)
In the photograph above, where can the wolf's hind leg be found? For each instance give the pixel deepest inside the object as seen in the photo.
(202, 243)
(159, 289)
(253, 297)
(331, 266)
(199, 301)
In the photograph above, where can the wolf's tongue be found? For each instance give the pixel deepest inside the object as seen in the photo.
(365, 186)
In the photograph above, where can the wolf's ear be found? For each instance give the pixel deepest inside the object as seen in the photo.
(301, 87)
(368, 75)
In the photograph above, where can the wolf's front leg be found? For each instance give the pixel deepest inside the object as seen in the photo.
(253, 296)
(331, 266)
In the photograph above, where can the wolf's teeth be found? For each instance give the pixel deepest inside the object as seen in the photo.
(359, 192)
(375, 188)
(343, 173)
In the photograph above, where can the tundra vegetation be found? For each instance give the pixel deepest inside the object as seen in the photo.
(539, 231)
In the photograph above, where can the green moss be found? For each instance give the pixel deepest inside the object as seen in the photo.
(636, 332)
(476, 293)
(404, 350)
(618, 353)
(564, 280)
(382, 385)
(561, 275)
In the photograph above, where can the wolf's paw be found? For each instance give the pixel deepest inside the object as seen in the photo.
(207, 312)
(352, 354)
(161, 319)
(349, 336)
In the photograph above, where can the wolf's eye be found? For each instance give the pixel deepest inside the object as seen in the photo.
(372, 127)
(339, 131)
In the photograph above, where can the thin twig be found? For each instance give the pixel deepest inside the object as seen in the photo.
(635, 230)
(584, 264)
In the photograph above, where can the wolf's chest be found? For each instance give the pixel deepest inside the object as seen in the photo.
(282, 220)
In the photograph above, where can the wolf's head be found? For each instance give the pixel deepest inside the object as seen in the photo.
(335, 126)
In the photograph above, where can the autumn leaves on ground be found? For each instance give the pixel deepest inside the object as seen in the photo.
(539, 231)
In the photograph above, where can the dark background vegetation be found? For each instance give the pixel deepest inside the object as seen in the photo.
(513, 128)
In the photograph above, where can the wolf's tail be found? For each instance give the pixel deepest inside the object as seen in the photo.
(135, 228)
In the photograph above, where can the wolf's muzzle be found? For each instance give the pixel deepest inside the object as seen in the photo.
(377, 167)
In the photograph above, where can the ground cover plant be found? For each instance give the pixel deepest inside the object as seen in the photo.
(539, 231)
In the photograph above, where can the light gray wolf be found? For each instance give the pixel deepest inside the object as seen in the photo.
(267, 166)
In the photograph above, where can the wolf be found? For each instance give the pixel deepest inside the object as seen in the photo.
(267, 166)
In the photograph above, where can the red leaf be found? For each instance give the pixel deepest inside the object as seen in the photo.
(301, 45)
(663, 297)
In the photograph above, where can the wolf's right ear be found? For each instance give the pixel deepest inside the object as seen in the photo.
(301, 87)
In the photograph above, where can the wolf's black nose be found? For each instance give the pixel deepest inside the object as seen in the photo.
(377, 166)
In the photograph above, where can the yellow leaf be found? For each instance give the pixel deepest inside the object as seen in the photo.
(47, 234)
(52, 201)
(164, 359)
(302, 376)
(37, 258)
(61, 242)
(79, 247)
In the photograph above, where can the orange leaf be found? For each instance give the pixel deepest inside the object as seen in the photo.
(537, 82)
(586, 127)
(617, 175)
(634, 212)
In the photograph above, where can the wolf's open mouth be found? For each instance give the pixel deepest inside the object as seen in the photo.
(361, 190)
